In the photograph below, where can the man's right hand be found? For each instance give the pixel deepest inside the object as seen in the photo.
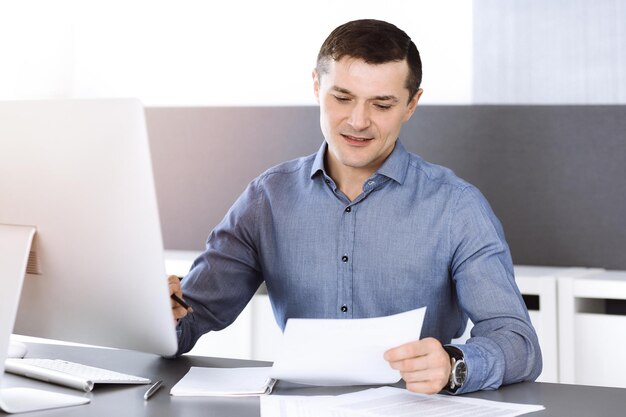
(178, 311)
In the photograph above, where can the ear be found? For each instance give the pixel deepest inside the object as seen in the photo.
(413, 105)
(316, 85)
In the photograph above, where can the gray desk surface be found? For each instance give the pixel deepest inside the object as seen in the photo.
(559, 399)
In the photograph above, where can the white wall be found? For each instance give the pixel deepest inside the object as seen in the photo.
(550, 52)
(249, 52)
(36, 49)
(194, 52)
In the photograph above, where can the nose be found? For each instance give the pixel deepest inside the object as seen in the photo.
(359, 117)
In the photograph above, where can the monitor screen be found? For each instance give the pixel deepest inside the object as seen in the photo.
(80, 172)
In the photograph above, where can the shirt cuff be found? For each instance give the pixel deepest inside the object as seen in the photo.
(482, 373)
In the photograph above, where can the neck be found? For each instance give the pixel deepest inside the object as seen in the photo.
(352, 188)
(349, 180)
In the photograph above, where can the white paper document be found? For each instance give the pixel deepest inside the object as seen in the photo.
(200, 381)
(389, 402)
(344, 351)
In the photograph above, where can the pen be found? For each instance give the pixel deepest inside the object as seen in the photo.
(182, 303)
(153, 388)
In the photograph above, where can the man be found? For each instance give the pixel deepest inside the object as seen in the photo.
(363, 229)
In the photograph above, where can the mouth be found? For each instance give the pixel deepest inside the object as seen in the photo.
(357, 140)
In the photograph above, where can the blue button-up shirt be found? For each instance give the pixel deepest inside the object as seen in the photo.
(416, 236)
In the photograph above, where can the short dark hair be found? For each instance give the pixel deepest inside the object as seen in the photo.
(375, 42)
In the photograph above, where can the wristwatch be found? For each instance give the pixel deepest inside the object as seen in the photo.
(458, 374)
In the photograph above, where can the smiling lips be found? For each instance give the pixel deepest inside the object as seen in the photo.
(356, 140)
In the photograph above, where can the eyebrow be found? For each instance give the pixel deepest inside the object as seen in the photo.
(377, 98)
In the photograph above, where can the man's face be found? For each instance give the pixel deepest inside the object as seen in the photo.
(362, 108)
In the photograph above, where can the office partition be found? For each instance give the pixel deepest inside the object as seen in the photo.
(554, 175)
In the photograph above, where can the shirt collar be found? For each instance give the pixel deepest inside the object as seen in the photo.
(394, 167)
(318, 162)
(396, 164)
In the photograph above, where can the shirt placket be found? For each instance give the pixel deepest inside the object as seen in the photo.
(345, 261)
(347, 242)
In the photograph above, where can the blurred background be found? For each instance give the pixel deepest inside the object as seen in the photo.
(246, 52)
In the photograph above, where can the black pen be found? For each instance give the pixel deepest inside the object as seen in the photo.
(182, 303)
(153, 388)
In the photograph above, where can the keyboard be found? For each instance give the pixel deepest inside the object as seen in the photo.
(70, 374)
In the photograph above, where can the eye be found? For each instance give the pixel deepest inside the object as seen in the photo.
(383, 106)
(341, 99)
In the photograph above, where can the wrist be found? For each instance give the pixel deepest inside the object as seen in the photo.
(458, 368)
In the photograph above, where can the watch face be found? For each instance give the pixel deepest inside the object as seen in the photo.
(460, 372)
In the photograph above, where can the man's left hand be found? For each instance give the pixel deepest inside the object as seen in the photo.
(424, 365)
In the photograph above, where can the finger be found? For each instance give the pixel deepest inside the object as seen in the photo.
(174, 287)
(412, 349)
(175, 304)
(429, 381)
(174, 283)
(410, 364)
(426, 374)
(434, 361)
(438, 375)
(179, 312)
(424, 387)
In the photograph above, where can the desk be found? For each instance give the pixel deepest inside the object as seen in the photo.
(560, 400)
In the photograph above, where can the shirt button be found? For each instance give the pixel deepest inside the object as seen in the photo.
(344, 308)
(348, 209)
(327, 181)
(344, 258)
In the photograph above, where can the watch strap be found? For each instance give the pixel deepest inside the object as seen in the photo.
(456, 356)
(454, 352)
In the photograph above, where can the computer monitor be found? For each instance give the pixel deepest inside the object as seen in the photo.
(80, 172)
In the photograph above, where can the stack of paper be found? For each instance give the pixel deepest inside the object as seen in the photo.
(201, 381)
(389, 402)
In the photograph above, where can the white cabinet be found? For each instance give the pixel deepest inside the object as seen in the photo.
(539, 286)
(592, 328)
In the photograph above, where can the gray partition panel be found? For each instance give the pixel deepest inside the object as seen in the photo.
(204, 157)
(555, 175)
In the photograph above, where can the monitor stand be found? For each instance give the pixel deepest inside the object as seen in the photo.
(15, 243)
